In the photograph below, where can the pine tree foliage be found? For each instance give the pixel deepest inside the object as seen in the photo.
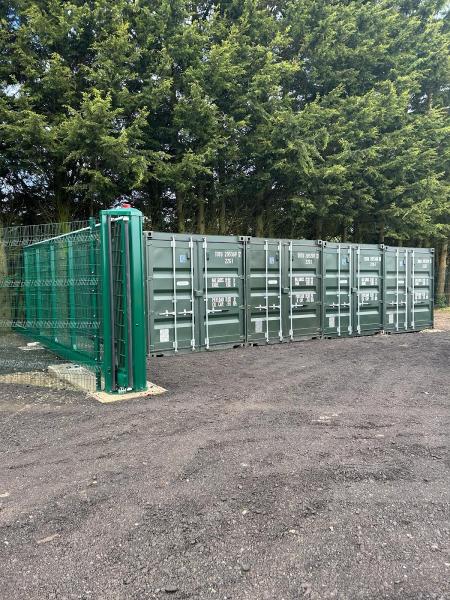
(314, 118)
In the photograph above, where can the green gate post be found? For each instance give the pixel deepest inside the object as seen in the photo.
(131, 374)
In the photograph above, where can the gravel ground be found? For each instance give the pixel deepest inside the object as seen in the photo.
(312, 470)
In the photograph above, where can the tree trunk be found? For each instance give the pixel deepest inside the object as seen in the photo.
(153, 206)
(180, 211)
(259, 231)
(222, 217)
(260, 216)
(381, 230)
(319, 228)
(269, 219)
(356, 233)
(442, 269)
(201, 209)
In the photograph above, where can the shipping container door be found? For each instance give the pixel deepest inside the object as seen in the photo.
(304, 290)
(368, 290)
(395, 290)
(264, 290)
(222, 307)
(337, 312)
(171, 294)
(421, 265)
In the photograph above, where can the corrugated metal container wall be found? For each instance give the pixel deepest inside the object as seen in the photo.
(304, 268)
(283, 290)
(395, 290)
(206, 292)
(368, 288)
(422, 288)
(409, 283)
(337, 276)
(195, 291)
(264, 290)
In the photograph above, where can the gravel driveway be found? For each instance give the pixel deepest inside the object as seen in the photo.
(311, 470)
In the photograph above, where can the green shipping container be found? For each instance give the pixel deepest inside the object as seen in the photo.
(283, 290)
(208, 292)
(353, 289)
(408, 289)
(195, 291)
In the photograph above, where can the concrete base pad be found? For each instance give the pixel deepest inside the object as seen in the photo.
(84, 379)
(152, 390)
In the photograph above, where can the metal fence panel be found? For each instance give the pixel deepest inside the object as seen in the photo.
(80, 294)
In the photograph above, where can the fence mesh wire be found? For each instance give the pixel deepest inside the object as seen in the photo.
(50, 305)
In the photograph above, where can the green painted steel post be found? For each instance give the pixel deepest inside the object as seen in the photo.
(137, 287)
(106, 333)
(71, 287)
(94, 287)
(27, 284)
(38, 292)
(53, 291)
(136, 337)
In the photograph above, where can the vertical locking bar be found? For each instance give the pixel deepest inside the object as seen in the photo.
(205, 271)
(350, 284)
(191, 247)
(174, 299)
(358, 300)
(406, 289)
(413, 291)
(280, 332)
(266, 249)
(397, 292)
(291, 316)
(339, 289)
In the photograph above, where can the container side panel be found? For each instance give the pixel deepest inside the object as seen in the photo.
(303, 306)
(264, 289)
(421, 289)
(337, 296)
(221, 310)
(368, 316)
(396, 290)
(170, 291)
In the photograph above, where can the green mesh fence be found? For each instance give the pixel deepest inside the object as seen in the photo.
(67, 303)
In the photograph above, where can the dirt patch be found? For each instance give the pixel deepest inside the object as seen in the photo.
(311, 470)
(442, 319)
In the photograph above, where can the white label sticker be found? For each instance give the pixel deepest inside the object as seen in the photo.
(273, 281)
(331, 321)
(258, 325)
(164, 335)
(390, 318)
(182, 283)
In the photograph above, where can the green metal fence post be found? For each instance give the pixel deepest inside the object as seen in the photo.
(72, 303)
(108, 342)
(53, 283)
(137, 289)
(40, 325)
(94, 289)
(124, 335)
